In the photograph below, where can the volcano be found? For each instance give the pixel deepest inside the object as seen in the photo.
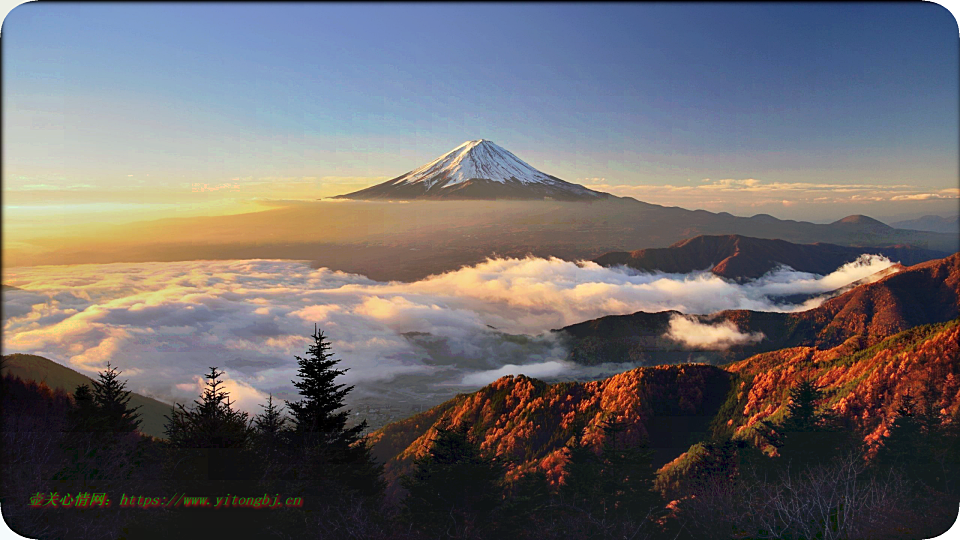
(477, 170)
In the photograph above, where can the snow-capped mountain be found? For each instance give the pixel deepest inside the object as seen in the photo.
(477, 170)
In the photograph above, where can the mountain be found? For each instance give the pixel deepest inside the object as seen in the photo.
(742, 257)
(920, 294)
(530, 422)
(931, 223)
(30, 367)
(861, 220)
(673, 407)
(862, 383)
(478, 170)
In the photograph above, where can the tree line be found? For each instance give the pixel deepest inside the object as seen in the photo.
(807, 475)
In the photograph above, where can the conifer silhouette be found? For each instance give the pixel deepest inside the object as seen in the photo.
(211, 422)
(332, 456)
(112, 401)
(83, 417)
(454, 487)
(808, 434)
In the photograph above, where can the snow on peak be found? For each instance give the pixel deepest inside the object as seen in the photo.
(476, 159)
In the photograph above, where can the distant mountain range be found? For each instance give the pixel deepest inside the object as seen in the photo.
(931, 223)
(921, 294)
(478, 170)
(411, 240)
(474, 202)
(742, 257)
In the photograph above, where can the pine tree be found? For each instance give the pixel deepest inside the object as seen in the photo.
(211, 422)
(947, 454)
(112, 401)
(269, 424)
(615, 484)
(320, 417)
(84, 416)
(98, 449)
(807, 435)
(913, 443)
(211, 452)
(454, 487)
(333, 456)
(627, 473)
(582, 485)
(528, 495)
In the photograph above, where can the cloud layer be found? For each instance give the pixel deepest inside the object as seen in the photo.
(165, 323)
(693, 333)
(798, 200)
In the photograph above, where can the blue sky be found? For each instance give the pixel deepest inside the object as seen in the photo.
(121, 100)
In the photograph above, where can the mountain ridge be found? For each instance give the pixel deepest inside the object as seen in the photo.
(924, 293)
(931, 223)
(742, 257)
(528, 422)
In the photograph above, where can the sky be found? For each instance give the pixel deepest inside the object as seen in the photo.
(128, 111)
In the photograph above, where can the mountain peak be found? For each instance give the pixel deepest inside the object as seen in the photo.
(477, 169)
(859, 219)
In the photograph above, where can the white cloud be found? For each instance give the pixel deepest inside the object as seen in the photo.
(544, 369)
(166, 323)
(693, 333)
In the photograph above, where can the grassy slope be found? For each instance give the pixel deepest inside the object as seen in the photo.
(38, 368)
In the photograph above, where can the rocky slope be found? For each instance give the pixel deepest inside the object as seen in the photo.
(529, 422)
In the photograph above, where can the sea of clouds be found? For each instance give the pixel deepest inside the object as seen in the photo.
(165, 323)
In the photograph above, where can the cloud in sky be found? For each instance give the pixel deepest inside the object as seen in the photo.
(165, 323)
(749, 195)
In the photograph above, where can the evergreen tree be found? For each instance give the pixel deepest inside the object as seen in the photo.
(100, 451)
(211, 452)
(724, 460)
(112, 401)
(947, 453)
(913, 443)
(269, 425)
(270, 437)
(627, 473)
(211, 422)
(209, 443)
(807, 435)
(617, 483)
(320, 417)
(333, 456)
(526, 496)
(83, 417)
(454, 487)
(582, 485)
